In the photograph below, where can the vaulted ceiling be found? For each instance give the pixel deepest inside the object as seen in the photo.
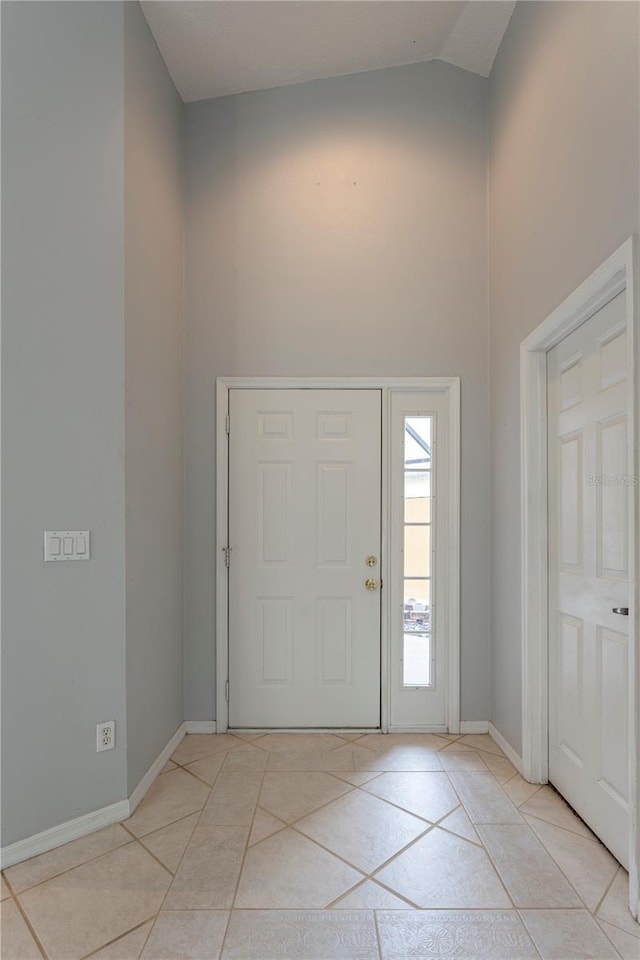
(213, 48)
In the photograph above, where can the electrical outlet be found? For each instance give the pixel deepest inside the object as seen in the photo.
(106, 736)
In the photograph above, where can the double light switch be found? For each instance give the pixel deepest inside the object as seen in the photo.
(67, 545)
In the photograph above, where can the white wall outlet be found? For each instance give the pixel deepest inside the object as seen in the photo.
(106, 736)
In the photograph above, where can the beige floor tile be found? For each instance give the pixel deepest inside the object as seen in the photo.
(615, 907)
(264, 825)
(481, 741)
(356, 778)
(502, 769)
(548, 805)
(371, 896)
(519, 791)
(485, 801)
(187, 935)
(195, 746)
(529, 873)
(289, 871)
(128, 947)
(4, 890)
(81, 910)
(246, 757)
(54, 862)
(408, 741)
(303, 935)
(567, 935)
(291, 796)
(169, 843)
(627, 946)
(587, 864)
(299, 741)
(451, 737)
(233, 799)
(362, 829)
(458, 822)
(427, 795)
(306, 760)
(208, 875)
(17, 942)
(209, 767)
(349, 736)
(444, 871)
(486, 934)
(397, 758)
(247, 736)
(169, 765)
(173, 796)
(465, 760)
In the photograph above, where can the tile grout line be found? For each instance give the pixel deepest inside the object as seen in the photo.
(244, 857)
(197, 823)
(75, 866)
(377, 933)
(21, 910)
(87, 956)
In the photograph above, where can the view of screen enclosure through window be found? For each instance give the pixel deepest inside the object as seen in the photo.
(417, 646)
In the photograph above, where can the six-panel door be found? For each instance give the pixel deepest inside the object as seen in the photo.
(589, 529)
(304, 516)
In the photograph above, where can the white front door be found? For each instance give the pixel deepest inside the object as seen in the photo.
(304, 517)
(589, 500)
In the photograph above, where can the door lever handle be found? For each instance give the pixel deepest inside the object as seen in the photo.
(622, 611)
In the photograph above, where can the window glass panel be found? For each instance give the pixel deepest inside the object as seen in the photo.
(417, 551)
(417, 605)
(417, 496)
(416, 663)
(417, 651)
(417, 441)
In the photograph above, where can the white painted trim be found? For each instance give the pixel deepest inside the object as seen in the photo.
(453, 564)
(617, 273)
(447, 385)
(474, 726)
(89, 822)
(200, 726)
(63, 833)
(156, 768)
(506, 748)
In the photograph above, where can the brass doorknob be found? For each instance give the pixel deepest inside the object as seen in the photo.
(371, 584)
(371, 560)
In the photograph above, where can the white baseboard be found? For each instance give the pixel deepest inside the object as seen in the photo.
(156, 767)
(474, 726)
(506, 748)
(200, 726)
(63, 833)
(89, 822)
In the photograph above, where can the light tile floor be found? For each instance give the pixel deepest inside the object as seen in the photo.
(328, 847)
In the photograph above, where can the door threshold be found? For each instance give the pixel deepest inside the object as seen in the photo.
(304, 729)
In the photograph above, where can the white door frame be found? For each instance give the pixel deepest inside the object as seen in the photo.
(450, 387)
(614, 276)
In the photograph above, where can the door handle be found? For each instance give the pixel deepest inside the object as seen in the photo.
(621, 611)
(371, 584)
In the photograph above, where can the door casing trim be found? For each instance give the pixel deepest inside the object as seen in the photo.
(616, 274)
(450, 387)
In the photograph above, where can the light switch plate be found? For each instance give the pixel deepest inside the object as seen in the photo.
(67, 545)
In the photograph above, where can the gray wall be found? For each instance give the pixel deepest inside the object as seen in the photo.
(63, 627)
(153, 373)
(337, 228)
(92, 308)
(563, 195)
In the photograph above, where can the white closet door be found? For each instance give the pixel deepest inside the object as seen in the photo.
(589, 587)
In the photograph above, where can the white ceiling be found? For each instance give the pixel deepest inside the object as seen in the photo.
(217, 47)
